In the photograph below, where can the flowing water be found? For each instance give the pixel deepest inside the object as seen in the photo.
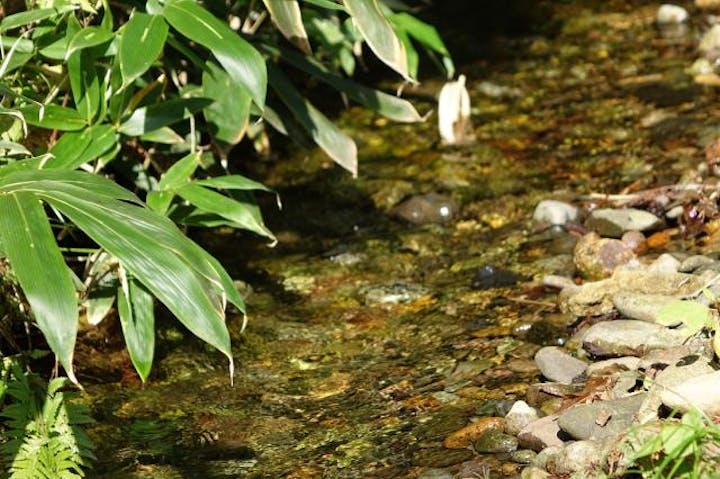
(371, 339)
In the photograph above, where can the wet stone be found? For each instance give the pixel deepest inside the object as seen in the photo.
(424, 209)
(496, 441)
(628, 337)
(434, 473)
(613, 366)
(692, 263)
(490, 277)
(393, 293)
(645, 307)
(555, 212)
(597, 258)
(441, 457)
(534, 473)
(523, 456)
(465, 436)
(583, 457)
(540, 434)
(519, 416)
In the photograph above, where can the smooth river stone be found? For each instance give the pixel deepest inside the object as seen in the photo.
(557, 365)
(629, 337)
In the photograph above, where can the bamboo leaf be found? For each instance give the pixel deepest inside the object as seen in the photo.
(40, 268)
(240, 59)
(142, 33)
(74, 149)
(137, 318)
(379, 34)
(228, 115)
(241, 214)
(339, 146)
(31, 16)
(86, 38)
(54, 117)
(286, 15)
(150, 118)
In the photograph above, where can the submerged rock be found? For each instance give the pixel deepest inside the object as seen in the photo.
(489, 277)
(668, 14)
(424, 209)
(519, 416)
(394, 293)
(465, 436)
(495, 440)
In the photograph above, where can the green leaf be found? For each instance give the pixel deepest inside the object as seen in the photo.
(29, 243)
(426, 35)
(379, 34)
(164, 135)
(142, 33)
(241, 214)
(240, 59)
(137, 318)
(150, 118)
(180, 172)
(339, 146)
(85, 84)
(31, 16)
(228, 115)
(10, 148)
(389, 106)
(86, 38)
(232, 182)
(54, 117)
(286, 15)
(693, 315)
(74, 149)
(327, 4)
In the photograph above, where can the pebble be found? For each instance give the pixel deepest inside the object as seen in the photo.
(710, 41)
(600, 419)
(635, 240)
(707, 4)
(668, 13)
(690, 264)
(597, 258)
(702, 392)
(580, 457)
(534, 473)
(540, 434)
(664, 264)
(464, 437)
(555, 212)
(557, 365)
(519, 416)
(424, 209)
(435, 473)
(496, 441)
(393, 293)
(629, 337)
(523, 456)
(610, 222)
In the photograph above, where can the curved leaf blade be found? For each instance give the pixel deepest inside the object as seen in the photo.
(240, 59)
(53, 117)
(86, 38)
(137, 319)
(286, 15)
(150, 118)
(379, 34)
(339, 146)
(142, 33)
(29, 243)
(228, 115)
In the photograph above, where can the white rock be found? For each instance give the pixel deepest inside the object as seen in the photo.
(555, 212)
(702, 392)
(453, 111)
(711, 40)
(519, 416)
(668, 13)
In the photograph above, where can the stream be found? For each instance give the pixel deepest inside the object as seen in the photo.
(371, 339)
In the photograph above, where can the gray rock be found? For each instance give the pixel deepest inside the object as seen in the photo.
(547, 456)
(690, 264)
(668, 380)
(668, 13)
(519, 416)
(555, 212)
(664, 264)
(393, 293)
(611, 222)
(645, 307)
(597, 258)
(540, 434)
(613, 365)
(496, 441)
(628, 337)
(584, 457)
(600, 419)
(702, 392)
(557, 365)
(435, 473)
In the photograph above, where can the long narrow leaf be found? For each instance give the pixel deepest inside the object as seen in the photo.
(77, 148)
(339, 146)
(54, 117)
(142, 33)
(389, 106)
(31, 16)
(228, 115)
(240, 59)
(150, 118)
(379, 34)
(286, 15)
(86, 38)
(42, 273)
(137, 318)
